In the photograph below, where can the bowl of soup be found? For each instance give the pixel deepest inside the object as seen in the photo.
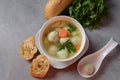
(62, 40)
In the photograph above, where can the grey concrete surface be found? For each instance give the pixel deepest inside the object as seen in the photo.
(20, 19)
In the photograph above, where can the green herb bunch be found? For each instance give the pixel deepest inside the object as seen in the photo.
(88, 12)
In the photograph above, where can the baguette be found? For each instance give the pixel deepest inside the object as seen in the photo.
(28, 48)
(39, 66)
(55, 7)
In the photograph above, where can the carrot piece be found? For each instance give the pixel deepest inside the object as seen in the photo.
(63, 33)
(77, 47)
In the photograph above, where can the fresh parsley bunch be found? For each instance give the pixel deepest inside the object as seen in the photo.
(88, 12)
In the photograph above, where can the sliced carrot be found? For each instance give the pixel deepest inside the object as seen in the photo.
(77, 47)
(63, 33)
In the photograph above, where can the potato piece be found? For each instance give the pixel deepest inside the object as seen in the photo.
(75, 33)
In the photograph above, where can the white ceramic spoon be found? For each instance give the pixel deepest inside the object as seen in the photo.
(96, 58)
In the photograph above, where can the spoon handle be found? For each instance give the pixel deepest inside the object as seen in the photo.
(108, 47)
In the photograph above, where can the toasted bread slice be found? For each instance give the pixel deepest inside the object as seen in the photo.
(39, 66)
(28, 48)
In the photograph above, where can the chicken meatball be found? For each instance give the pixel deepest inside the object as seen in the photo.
(53, 50)
(62, 53)
(63, 40)
(53, 36)
(76, 40)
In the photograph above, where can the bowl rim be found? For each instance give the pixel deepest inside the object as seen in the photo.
(53, 19)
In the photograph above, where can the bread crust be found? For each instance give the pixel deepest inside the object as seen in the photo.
(55, 7)
(28, 48)
(39, 66)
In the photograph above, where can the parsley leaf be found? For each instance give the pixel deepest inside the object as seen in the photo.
(88, 12)
(71, 28)
(69, 45)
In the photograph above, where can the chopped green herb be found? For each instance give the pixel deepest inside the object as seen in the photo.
(69, 45)
(61, 47)
(71, 28)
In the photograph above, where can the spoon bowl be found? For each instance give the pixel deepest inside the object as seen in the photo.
(95, 59)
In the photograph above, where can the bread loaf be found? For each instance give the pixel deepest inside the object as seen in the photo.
(55, 7)
(28, 48)
(39, 66)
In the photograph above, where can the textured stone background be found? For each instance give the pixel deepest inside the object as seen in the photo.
(20, 19)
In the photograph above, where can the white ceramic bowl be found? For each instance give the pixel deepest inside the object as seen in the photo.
(62, 63)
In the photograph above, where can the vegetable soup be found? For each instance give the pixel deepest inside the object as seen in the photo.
(61, 39)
